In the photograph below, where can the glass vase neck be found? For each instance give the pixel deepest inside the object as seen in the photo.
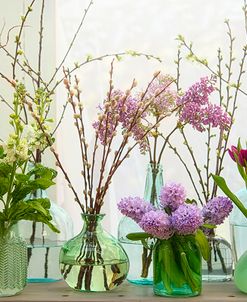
(92, 217)
(154, 182)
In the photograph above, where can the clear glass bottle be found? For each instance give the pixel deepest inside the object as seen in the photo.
(177, 267)
(44, 245)
(141, 268)
(238, 227)
(219, 267)
(93, 261)
(13, 262)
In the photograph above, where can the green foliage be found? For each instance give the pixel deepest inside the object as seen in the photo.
(138, 236)
(203, 244)
(17, 194)
(221, 183)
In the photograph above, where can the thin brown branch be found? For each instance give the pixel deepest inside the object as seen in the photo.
(18, 37)
(72, 42)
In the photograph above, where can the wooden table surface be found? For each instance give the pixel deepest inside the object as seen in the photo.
(59, 291)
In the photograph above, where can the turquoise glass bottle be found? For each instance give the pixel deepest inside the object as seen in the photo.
(141, 268)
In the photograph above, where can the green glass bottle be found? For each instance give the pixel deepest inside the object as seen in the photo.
(141, 268)
(240, 273)
(13, 262)
(94, 260)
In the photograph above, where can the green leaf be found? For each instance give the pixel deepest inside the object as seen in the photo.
(138, 236)
(1, 152)
(4, 185)
(223, 186)
(209, 226)
(170, 263)
(42, 183)
(203, 244)
(5, 170)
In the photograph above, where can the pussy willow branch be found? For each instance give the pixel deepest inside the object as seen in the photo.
(198, 170)
(126, 155)
(102, 57)
(166, 140)
(207, 166)
(80, 134)
(177, 62)
(18, 37)
(139, 115)
(105, 153)
(41, 29)
(71, 43)
(234, 107)
(187, 169)
(101, 190)
(189, 48)
(229, 65)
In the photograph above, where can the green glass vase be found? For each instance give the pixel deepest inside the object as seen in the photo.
(141, 268)
(177, 267)
(240, 273)
(93, 261)
(13, 262)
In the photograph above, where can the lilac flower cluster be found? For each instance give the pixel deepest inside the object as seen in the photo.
(121, 110)
(134, 207)
(186, 219)
(164, 98)
(217, 209)
(198, 111)
(157, 223)
(172, 195)
(175, 216)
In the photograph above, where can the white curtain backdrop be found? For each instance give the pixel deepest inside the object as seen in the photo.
(149, 27)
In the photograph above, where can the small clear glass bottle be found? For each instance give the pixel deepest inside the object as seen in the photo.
(141, 268)
(44, 245)
(219, 267)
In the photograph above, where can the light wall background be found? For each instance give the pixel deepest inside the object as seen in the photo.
(145, 26)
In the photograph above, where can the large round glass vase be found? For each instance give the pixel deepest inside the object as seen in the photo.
(177, 267)
(93, 261)
(140, 257)
(238, 227)
(219, 267)
(240, 273)
(44, 245)
(13, 262)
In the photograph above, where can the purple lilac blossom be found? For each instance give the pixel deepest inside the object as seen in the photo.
(216, 210)
(172, 195)
(134, 207)
(164, 98)
(157, 223)
(198, 111)
(186, 219)
(120, 110)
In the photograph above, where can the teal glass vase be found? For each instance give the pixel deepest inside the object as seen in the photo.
(13, 262)
(238, 227)
(141, 268)
(177, 267)
(44, 245)
(93, 261)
